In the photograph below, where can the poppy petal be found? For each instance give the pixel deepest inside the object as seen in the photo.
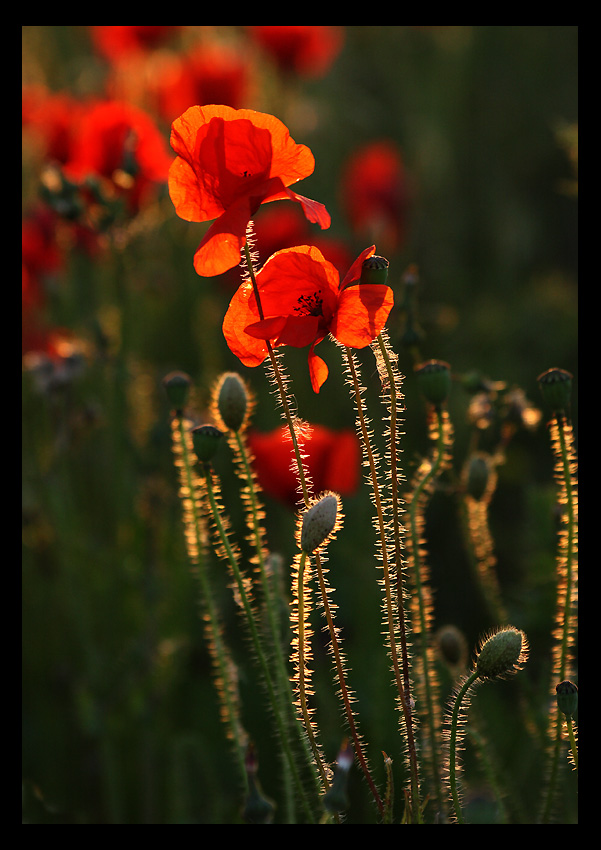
(318, 370)
(314, 212)
(354, 273)
(241, 313)
(266, 328)
(220, 248)
(362, 313)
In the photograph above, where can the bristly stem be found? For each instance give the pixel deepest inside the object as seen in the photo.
(562, 442)
(324, 590)
(467, 684)
(428, 472)
(195, 532)
(243, 594)
(389, 601)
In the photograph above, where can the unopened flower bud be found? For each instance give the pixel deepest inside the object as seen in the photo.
(232, 400)
(567, 698)
(374, 270)
(556, 387)
(177, 386)
(478, 475)
(319, 522)
(502, 653)
(452, 646)
(434, 380)
(206, 439)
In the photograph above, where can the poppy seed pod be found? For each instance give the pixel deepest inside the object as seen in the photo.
(502, 653)
(434, 380)
(556, 387)
(205, 439)
(232, 400)
(374, 270)
(567, 698)
(177, 386)
(319, 522)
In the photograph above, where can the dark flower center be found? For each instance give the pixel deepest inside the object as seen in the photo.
(309, 305)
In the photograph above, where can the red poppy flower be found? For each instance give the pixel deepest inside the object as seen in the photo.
(229, 162)
(308, 51)
(374, 194)
(121, 143)
(333, 461)
(303, 301)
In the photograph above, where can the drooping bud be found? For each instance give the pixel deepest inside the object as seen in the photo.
(502, 653)
(319, 522)
(177, 386)
(567, 698)
(434, 381)
(556, 387)
(374, 270)
(206, 439)
(231, 399)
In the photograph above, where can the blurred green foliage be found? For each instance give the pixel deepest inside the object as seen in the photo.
(120, 719)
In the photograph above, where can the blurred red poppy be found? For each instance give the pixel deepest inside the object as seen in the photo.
(115, 42)
(229, 162)
(333, 461)
(302, 301)
(121, 143)
(308, 51)
(374, 190)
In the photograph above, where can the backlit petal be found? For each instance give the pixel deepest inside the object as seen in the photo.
(362, 313)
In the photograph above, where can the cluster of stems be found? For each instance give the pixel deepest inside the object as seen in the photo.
(315, 788)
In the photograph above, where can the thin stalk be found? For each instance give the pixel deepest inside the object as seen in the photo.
(250, 621)
(389, 605)
(422, 486)
(453, 744)
(196, 542)
(335, 643)
(567, 573)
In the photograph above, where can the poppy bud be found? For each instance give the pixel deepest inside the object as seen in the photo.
(232, 400)
(477, 475)
(205, 439)
(556, 387)
(319, 522)
(374, 270)
(502, 653)
(567, 698)
(434, 380)
(452, 646)
(177, 386)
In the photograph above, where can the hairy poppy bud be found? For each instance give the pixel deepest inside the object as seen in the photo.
(502, 653)
(478, 475)
(374, 270)
(556, 387)
(232, 400)
(319, 522)
(205, 439)
(567, 698)
(434, 380)
(177, 386)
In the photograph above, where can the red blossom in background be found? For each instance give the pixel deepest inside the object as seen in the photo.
(333, 462)
(374, 194)
(229, 162)
(302, 301)
(307, 51)
(115, 42)
(121, 144)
